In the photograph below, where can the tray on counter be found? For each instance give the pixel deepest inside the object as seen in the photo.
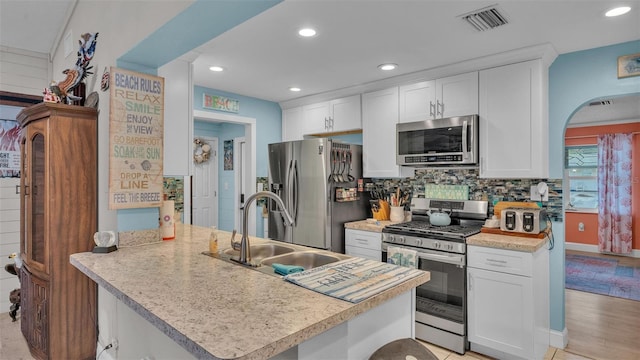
(497, 231)
(354, 279)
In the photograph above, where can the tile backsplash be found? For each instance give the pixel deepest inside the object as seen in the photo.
(457, 181)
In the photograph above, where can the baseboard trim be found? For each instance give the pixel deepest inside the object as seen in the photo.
(559, 339)
(594, 249)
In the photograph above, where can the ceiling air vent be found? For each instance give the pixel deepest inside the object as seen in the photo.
(602, 102)
(485, 19)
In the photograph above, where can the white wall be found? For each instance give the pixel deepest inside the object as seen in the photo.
(9, 237)
(23, 72)
(121, 25)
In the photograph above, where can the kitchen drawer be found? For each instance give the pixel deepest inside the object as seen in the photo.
(363, 253)
(506, 261)
(363, 239)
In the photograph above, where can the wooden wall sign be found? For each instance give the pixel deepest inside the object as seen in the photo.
(136, 133)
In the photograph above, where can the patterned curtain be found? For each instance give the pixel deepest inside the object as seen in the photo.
(614, 193)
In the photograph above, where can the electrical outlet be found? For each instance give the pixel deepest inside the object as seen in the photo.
(535, 195)
(114, 344)
(581, 227)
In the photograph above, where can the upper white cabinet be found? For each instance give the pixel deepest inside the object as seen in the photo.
(514, 121)
(333, 116)
(447, 97)
(292, 124)
(379, 119)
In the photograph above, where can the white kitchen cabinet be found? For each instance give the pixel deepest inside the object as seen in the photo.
(333, 116)
(365, 244)
(292, 124)
(379, 119)
(316, 118)
(514, 121)
(447, 97)
(508, 302)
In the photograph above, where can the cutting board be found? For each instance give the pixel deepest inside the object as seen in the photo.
(497, 208)
(500, 232)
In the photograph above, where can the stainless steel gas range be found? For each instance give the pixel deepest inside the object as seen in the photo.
(441, 303)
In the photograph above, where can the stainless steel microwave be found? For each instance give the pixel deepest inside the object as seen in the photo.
(448, 141)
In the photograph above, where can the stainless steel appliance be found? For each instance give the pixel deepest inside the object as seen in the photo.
(448, 141)
(441, 303)
(307, 175)
(523, 220)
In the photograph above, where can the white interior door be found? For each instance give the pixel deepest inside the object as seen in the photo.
(239, 149)
(205, 188)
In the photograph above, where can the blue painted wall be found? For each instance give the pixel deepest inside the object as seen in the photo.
(574, 80)
(197, 24)
(268, 117)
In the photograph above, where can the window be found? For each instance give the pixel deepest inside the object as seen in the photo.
(581, 164)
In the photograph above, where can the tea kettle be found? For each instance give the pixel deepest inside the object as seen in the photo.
(439, 218)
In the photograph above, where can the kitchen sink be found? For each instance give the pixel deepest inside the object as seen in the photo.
(261, 251)
(306, 259)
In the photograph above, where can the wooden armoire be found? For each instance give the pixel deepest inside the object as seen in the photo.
(58, 199)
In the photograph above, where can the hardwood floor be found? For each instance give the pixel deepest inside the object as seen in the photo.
(601, 326)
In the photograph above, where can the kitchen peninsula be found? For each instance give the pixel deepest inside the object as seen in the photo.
(213, 309)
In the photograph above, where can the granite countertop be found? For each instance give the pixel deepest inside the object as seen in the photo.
(233, 312)
(508, 242)
(368, 225)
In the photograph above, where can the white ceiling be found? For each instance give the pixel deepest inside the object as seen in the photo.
(264, 56)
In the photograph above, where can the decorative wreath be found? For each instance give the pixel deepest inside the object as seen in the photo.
(201, 151)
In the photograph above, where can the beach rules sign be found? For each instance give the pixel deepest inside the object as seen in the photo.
(136, 133)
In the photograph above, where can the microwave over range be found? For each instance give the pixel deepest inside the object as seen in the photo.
(438, 142)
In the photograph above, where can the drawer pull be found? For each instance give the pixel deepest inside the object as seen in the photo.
(494, 262)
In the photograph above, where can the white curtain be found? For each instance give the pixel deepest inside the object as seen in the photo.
(614, 193)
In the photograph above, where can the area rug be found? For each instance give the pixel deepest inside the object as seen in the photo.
(602, 276)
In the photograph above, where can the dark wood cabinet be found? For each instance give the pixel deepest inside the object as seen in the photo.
(59, 191)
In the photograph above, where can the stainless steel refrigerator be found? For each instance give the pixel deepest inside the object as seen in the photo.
(310, 176)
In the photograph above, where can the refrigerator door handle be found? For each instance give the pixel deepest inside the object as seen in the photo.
(294, 195)
(287, 195)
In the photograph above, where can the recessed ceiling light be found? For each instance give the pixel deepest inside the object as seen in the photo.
(387, 67)
(295, 89)
(216, 68)
(307, 32)
(618, 11)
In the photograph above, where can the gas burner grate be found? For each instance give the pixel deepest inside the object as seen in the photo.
(426, 228)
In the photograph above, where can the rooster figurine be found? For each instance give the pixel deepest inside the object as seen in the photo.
(63, 89)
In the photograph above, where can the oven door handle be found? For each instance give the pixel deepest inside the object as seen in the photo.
(454, 259)
(445, 258)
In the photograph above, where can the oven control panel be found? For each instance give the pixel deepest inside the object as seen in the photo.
(424, 243)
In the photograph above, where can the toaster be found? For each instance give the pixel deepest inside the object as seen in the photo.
(523, 220)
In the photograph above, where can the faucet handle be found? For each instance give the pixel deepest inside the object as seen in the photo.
(234, 245)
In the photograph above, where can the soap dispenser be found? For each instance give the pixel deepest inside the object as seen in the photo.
(213, 241)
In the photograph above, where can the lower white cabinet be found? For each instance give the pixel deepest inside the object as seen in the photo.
(508, 302)
(364, 244)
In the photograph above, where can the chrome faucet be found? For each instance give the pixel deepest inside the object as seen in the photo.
(243, 246)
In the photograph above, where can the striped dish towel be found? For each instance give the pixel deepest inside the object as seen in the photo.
(354, 279)
(401, 256)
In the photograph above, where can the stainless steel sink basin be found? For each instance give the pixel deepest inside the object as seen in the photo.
(306, 259)
(261, 251)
